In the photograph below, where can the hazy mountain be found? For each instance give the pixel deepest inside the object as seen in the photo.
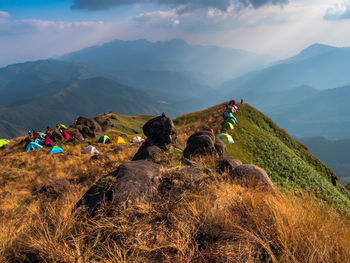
(69, 100)
(214, 63)
(25, 80)
(334, 153)
(318, 66)
(324, 113)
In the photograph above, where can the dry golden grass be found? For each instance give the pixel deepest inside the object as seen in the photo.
(216, 221)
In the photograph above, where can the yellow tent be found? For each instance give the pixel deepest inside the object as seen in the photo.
(119, 139)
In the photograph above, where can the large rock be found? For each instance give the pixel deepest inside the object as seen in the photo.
(150, 152)
(132, 181)
(88, 127)
(75, 134)
(250, 175)
(220, 147)
(56, 136)
(201, 143)
(228, 164)
(160, 131)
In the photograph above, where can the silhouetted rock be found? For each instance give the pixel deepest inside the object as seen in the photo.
(56, 136)
(75, 134)
(150, 152)
(250, 175)
(199, 144)
(132, 181)
(220, 147)
(88, 127)
(228, 164)
(160, 131)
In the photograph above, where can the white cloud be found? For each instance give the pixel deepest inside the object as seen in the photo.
(338, 11)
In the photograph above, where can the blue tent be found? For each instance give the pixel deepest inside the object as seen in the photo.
(104, 139)
(38, 141)
(33, 146)
(55, 149)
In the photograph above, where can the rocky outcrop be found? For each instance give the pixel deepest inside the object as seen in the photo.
(56, 136)
(55, 189)
(160, 132)
(132, 181)
(228, 164)
(75, 134)
(88, 127)
(253, 176)
(204, 143)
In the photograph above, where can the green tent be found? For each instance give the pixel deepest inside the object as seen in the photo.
(3, 143)
(226, 137)
(232, 121)
(228, 126)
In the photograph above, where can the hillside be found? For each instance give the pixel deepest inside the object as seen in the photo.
(334, 153)
(214, 221)
(67, 101)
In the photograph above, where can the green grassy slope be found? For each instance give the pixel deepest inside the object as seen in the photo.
(259, 141)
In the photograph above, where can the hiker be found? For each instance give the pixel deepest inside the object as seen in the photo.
(241, 101)
(30, 134)
(48, 130)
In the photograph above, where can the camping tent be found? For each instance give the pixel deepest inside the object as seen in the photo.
(33, 146)
(226, 137)
(65, 135)
(232, 118)
(119, 139)
(55, 149)
(38, 141)
(61, 126)
(228, 126)
(137, 139)
(48, 141)
(232, 121)
(104, 139)
(91, 149)
(3, 143)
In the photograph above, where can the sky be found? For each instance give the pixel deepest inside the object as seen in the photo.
(39, 29)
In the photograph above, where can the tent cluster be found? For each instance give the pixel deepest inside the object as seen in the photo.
(230, 121)
(38, 140)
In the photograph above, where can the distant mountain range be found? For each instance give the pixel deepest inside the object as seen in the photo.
(301, 93)
(334, 153)
(169, 76)
(65, 101)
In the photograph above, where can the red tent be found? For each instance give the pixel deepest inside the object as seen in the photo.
(48, 140)
(65, 135)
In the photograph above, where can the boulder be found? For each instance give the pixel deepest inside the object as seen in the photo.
(56, 136)
(55, 189)
(160, 131)
(228, 164)
(199, 145)
(150, 152)
(208, 133)
(88, 127)
(75, 134)
(132, 181)
(220, 147)
(250, 175)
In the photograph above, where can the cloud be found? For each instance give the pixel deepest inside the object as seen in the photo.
(32, 39)
(181, 6)
(338, 12)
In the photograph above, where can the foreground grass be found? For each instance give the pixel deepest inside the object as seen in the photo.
(216, 222)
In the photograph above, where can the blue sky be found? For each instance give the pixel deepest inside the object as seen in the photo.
(37, 29)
